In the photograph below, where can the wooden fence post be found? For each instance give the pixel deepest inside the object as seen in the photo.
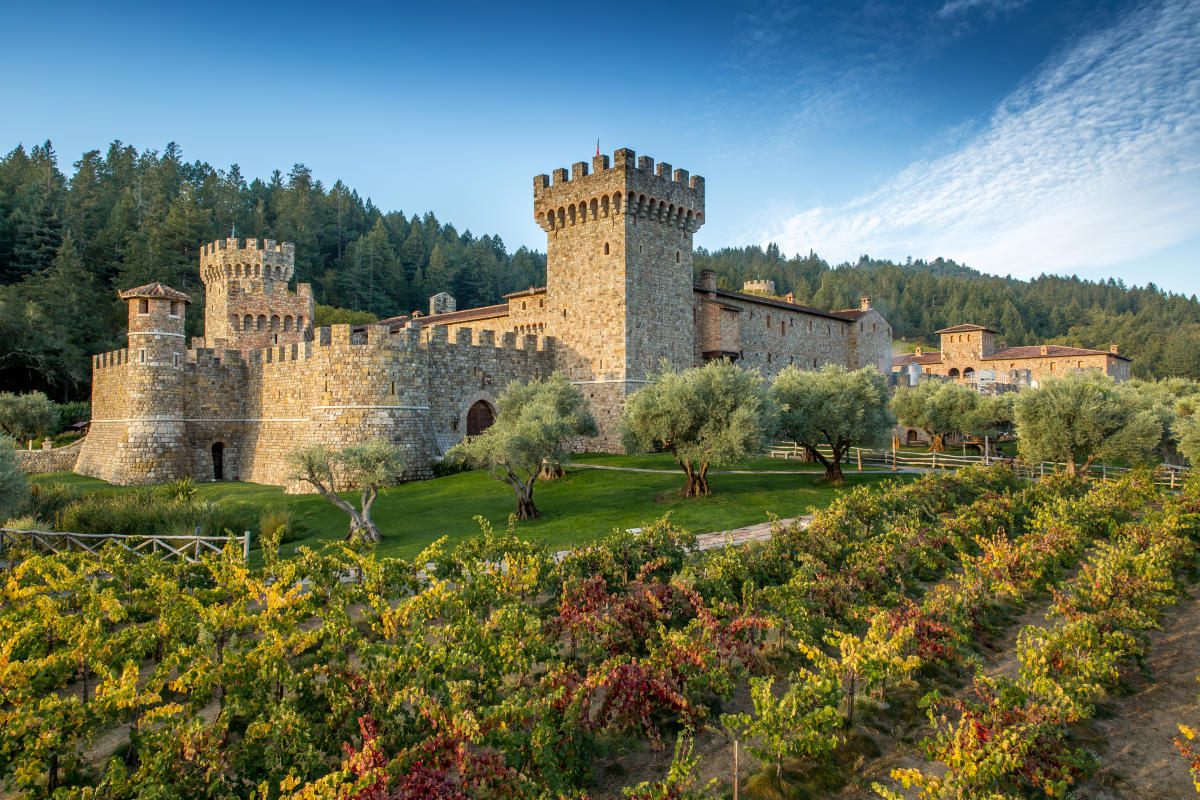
(246, 546)
(986, 447)
(735, 769)
(859, 451)
(935, 459)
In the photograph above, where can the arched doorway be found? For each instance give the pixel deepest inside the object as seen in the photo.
(953, 373)
(911, 439)
(479, 418)
(218, 457)
(968, 374)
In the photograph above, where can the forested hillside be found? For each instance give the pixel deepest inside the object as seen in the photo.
(1160, 331)
(122, 218)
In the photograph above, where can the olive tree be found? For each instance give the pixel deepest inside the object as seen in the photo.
(833, 406)
(1081, 417)
(1186, 430)
(26, 416)
(703, 416)
(939, 408)
(14, 486)
(369, 466)
(535, 423)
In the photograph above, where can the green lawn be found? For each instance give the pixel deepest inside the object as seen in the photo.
(580, 507)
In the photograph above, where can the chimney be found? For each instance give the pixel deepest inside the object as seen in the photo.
(1043, 349)
(708, 280)
(1114, 349)
(865, 302)
(920, 350)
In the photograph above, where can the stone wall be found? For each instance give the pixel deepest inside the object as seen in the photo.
(258, 406)
(51, 459)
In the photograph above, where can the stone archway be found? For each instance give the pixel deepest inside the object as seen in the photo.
(480, 417)
(478, 414)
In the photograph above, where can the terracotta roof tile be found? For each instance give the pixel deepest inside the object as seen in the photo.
(1052, 351)
(965, 328)
(933, 357)
(155, 289)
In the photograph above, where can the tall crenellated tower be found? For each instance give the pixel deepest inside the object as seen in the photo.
(248, 305)
(618, 273)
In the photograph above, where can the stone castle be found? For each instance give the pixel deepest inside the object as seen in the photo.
(619, 300)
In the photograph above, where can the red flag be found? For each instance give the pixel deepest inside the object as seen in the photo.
(597, 147)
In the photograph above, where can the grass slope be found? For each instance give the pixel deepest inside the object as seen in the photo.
(581, 507)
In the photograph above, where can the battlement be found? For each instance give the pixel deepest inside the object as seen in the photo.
(249, 243)
(629, 184)
(250, 258)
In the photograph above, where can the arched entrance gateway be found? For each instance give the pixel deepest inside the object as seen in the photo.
(479, 418)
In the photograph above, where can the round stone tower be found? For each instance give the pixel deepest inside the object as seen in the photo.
(154, 449)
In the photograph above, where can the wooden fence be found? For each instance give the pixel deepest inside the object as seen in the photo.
(189, 548)
(1168, 475)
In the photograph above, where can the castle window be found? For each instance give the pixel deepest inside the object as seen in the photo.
(175, 306)
(781, 323)
(606, 248)
(768, 358)
(143, 306)
(810, 326)
(541, 303)
(1052, 366)
(768, 320)
(247, 323)
(262, 322)
(393, 391)
(522, 305)
(676, 256)
(142, 356)
(814, 363)
(968, 337)
(176, 359)
(274, 338)
(274, 322)
(1081, 365)
(287, 322)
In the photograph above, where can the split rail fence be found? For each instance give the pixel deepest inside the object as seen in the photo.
(188, 548)
(1168, 475)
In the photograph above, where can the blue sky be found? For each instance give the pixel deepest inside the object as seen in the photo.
(1018, 136)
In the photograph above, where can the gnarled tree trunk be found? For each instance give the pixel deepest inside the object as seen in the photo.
(697, 479)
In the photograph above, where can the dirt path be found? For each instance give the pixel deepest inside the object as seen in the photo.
(1140, 760)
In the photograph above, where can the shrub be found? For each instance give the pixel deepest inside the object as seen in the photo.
(280, 518)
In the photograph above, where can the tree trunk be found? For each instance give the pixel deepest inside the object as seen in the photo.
(697, 481)
(525, 507)
(833, 466)
(552, 469)
(937, 442)
(1071, 466)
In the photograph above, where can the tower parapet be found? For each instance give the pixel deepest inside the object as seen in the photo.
(248, 304)
(628, 185)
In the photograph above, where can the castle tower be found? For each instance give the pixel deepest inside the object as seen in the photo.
(618, 274)
(152, 398)
(248, 305)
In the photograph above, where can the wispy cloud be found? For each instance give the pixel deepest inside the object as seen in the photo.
(953, 8)
(1093, 162)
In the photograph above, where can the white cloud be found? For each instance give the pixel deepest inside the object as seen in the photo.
(1094, 162)
(987, 7)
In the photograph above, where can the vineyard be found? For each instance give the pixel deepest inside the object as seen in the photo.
(630, 667)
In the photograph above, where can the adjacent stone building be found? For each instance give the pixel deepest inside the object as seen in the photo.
(619, 301)
(970, 353)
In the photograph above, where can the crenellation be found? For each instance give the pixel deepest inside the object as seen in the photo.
(579, 170)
